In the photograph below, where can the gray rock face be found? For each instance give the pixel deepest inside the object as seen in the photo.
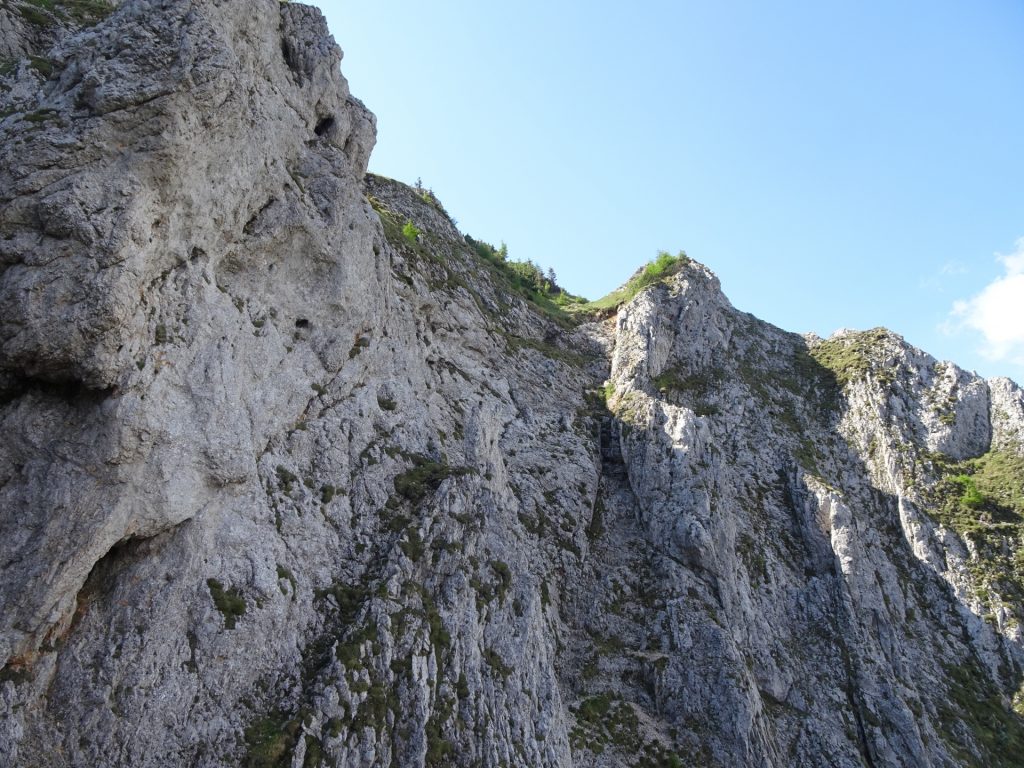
(281, 485)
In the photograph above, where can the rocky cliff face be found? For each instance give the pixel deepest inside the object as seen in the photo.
(282, 485)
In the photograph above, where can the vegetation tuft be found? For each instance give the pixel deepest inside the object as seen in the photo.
(603, 722)
(46, 13)
(982, 499)
(229, 602)
(271, 740)
(527, 280)
(663, 267)
(997, 731)
(700, 388)
(849, 356)
(410, 232)
(424, 477)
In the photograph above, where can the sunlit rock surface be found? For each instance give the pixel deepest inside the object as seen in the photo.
(291, 475)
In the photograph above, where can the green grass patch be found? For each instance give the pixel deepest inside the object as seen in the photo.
(699, 389)
(373, 712)
(528, 281)
(46, 13)
(412, 545)
(495, 662)
(982, 500)
(849, 357)
(349, 598)
(424, 477)
(270, 741)
(663, 267)
(995, 730)
(44, 115)
(41, 65)
(35, 16)
(403, 235)
(314, 752)
(87, 11)
(229, 602)
(285, 479)
(604, 722)
(284, 573)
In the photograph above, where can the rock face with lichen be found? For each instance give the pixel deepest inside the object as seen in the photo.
(293, 475)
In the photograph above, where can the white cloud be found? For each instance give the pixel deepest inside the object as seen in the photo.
(997, 313)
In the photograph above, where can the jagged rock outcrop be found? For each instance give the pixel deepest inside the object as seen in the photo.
(293, 476)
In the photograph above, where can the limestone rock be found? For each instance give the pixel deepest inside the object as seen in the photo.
(292, 475)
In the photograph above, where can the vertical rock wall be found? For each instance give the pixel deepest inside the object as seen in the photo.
(280, 485)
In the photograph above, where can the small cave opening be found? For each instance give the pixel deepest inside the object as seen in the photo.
(288, 54)
(323, 126)
(302, 323)
(53, 386)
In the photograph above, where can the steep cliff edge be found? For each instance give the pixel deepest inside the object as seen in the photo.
(286, 481)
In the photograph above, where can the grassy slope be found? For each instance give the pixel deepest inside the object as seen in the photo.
(653, 272)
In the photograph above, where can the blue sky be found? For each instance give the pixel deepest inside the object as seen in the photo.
(836, 164)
